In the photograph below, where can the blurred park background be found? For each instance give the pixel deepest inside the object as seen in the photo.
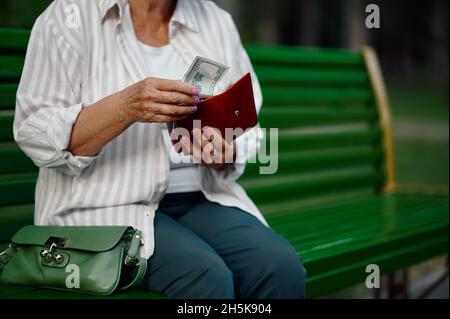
(413, 46)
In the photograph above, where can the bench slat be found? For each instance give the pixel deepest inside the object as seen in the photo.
(279, 55)
(6, 125)
(11, 66)
(14, 39)
(278, 188)
(12, 218)
(13, 160)
(326, 159)
(298, 96)
(17, 189)
(305, 140)
(8, 96)
(288, 76)
(282, 117)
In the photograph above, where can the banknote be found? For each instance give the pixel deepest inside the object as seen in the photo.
(205, 74)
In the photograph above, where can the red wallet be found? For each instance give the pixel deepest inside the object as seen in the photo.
(234, 108)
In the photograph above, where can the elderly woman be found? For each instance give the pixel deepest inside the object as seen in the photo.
(100, 82)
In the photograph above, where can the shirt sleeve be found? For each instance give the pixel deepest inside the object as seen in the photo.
(48, 101)
(248, 144)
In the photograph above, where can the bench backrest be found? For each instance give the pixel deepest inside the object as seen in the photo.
(323, 101)
(333, 117)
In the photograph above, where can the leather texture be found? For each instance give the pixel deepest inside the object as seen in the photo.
(99, 254)
(234, 108)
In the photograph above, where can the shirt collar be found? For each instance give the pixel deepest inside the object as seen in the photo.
(183, 14)
(106, 5)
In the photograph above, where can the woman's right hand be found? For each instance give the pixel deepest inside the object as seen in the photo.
(149, 100)
(158, 100)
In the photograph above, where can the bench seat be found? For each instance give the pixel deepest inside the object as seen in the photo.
(337, 238)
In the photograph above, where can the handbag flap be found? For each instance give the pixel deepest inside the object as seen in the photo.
(87, 238)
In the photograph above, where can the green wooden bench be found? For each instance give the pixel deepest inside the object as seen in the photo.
(334, 196)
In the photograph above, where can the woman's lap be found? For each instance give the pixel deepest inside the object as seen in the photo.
(181, 262)
(213, 251)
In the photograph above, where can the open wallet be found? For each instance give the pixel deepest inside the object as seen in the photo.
(234, 108)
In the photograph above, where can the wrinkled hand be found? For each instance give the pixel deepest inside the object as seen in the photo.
(209, 148)
(158, 100)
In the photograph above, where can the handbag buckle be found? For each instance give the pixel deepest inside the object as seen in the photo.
(6, 251)
(47, 255)
(130, 261)
(54, 242)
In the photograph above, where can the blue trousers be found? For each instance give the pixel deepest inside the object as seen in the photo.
(205, 250)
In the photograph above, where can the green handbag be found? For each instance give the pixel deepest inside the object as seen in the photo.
(84, 259)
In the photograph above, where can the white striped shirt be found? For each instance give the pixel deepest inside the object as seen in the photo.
(83, 50)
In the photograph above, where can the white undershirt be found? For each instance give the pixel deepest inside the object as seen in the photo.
(166, 63)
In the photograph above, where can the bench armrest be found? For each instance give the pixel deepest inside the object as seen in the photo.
(420, 188)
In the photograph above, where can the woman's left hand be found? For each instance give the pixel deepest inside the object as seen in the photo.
(209, 148)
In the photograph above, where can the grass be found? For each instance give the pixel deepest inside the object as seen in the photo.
(420, 113)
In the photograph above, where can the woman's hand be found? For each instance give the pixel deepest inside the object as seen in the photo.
(150, 100)
(209, 148)
(158, 100)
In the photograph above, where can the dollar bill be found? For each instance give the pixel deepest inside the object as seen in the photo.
(205, 74)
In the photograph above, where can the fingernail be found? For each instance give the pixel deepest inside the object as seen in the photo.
(196, 100)
(195, 109)
(196, 91)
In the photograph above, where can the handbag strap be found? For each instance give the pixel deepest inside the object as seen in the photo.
(142, 269)
(5, 256)
(132, 258)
